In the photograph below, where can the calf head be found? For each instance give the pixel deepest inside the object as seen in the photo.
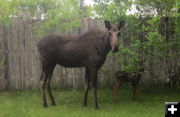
(114, 33)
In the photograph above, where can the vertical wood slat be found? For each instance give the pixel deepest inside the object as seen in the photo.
(24, 68)
(3, 82)
(24, 63)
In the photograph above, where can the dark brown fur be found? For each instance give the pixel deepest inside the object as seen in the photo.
(88, 50)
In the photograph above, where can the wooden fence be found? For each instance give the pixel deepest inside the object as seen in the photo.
(19, 62)
(19, 53)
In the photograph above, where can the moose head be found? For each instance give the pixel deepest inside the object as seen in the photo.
(114, 33)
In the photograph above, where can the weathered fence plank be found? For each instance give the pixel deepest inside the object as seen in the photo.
(23, 61)
(19, 62)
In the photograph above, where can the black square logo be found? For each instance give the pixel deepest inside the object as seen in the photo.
(172, 109)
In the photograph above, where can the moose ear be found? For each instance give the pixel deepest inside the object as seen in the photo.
(107, 24)
(121, 24)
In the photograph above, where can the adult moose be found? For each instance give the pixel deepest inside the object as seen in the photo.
(88, 50)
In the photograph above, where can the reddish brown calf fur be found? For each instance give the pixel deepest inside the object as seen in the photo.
(124, 77)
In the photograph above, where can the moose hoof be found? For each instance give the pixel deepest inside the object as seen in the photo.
(114, 100)
(96, 107)
(53, 104)
(45, 105)
(84, 104)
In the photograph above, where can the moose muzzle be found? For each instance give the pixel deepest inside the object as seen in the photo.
(115, 48)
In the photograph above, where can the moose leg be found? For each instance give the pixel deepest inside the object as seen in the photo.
(135, 88)
(116, 86)
(87, 85)
(42, 85)
(174, 81)
(48, 85)
(93, 77)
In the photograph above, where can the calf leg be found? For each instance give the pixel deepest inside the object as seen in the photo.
(135, 88)
(48, 84)
(116, 86)
(174, 81)
(134, 93)
(87, 85)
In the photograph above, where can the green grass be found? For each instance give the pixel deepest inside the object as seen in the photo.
(150, 103)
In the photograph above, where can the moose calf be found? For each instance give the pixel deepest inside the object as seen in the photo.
(124, 77)
(173, 77)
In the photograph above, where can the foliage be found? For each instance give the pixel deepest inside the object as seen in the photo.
(112, 10)
(49, 12)
(6, 10)
(140, 39)
(66, 13)
(156, 7)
